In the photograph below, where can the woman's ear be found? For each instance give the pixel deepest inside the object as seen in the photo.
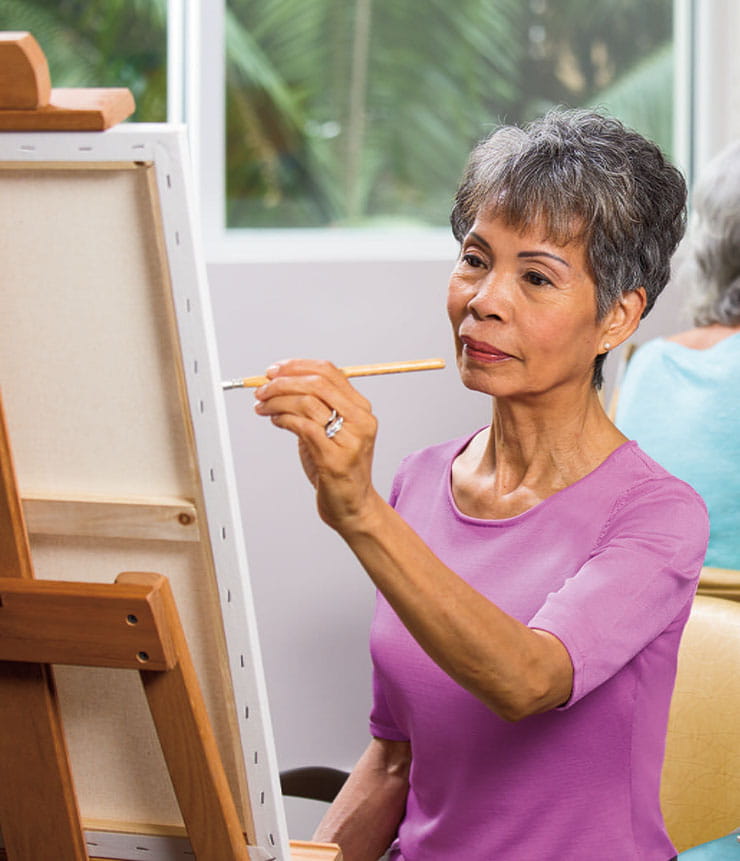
(623, 318)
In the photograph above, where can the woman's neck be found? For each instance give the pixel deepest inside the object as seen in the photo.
(569, 442)
(529, 453)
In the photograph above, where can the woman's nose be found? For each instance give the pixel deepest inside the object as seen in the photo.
(492, 297)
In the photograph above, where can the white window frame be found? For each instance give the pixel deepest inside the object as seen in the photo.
(714, 98)
(196, 96)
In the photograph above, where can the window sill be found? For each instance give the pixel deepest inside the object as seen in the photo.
(330, 245)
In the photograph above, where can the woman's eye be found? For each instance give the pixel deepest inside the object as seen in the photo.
(537, 279)
(472, 260)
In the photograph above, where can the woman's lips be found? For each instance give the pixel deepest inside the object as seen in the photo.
(482, 352)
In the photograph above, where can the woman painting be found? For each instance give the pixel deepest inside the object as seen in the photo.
(533, 577)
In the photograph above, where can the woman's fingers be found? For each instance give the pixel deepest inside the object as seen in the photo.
(312, 372)
(335, 427)
(303, 406)
(312, 391)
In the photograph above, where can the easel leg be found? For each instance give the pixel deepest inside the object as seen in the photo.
(190, 750)
(39, 816)
(38, 808)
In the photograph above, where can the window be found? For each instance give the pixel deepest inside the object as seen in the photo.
(354, 114)
(347, 113)
(101, 43)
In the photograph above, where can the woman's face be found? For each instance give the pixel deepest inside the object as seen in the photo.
(523, 311)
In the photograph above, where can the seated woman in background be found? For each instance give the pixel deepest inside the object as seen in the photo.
(679, 399)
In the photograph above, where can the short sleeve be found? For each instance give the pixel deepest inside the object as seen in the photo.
(639, 580)
(382, 724)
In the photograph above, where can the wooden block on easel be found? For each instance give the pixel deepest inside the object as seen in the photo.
(28, 102)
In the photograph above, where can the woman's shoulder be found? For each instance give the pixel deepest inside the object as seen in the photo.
(648, 355)
(649, 389)
(631, 468)
(698, 340)
(652, 510)
(645, 359)
(643, 485)
(706, 337)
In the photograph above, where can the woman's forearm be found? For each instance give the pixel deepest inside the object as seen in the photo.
(513, 669)
(365, 815)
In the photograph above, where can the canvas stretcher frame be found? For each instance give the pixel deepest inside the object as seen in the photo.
(162, 152)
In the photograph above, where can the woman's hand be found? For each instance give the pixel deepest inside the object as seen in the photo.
(300, 397)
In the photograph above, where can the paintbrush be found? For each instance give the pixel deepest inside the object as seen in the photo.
(352, 371)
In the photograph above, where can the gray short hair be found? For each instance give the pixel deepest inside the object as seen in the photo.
(713, 241)
(583, 176)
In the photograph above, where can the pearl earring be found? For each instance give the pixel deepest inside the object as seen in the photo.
(607, 346)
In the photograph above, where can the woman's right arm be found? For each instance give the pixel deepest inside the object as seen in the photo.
(365, 815)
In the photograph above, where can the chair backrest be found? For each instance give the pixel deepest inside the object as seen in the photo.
(720, 583)
(700, 791)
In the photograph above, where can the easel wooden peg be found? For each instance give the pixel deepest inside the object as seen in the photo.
(28, 102)
(24, 73)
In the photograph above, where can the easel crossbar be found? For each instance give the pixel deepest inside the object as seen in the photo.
(120, 625)
(44, 618)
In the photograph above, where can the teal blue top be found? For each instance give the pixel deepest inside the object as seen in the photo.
(683, 408)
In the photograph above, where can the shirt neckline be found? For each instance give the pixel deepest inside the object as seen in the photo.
(506, 521)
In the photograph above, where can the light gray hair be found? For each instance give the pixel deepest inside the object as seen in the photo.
(713, 241)
(582, 176)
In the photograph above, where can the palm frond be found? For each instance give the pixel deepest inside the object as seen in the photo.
(642, 98)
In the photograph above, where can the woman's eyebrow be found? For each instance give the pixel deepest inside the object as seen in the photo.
(543, 254)
(481, 241)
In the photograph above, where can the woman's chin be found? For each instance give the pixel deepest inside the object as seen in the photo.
(478, 380)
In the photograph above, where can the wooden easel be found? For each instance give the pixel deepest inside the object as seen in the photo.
(131, 624)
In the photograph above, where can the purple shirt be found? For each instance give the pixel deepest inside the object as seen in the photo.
(609, 565)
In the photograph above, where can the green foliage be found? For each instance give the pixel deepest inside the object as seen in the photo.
(362, 112)
(345, 112)
(384, 101)
(641, 98)
(100, 43)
